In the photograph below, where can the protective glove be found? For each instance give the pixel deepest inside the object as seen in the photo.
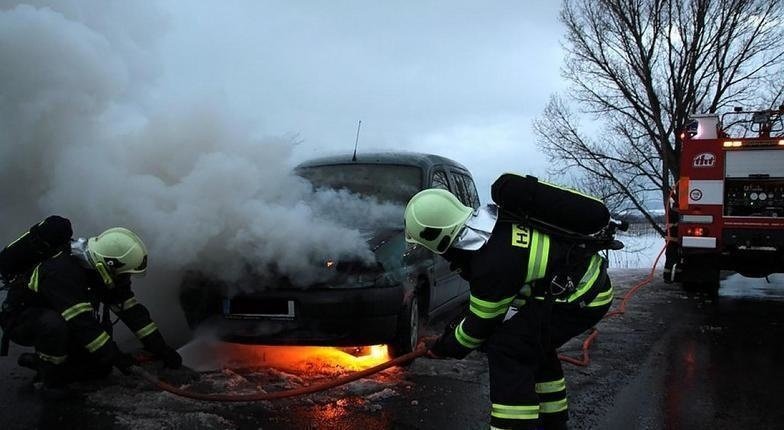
(123, 362)
(446, 345)
(171, 358)
(427, 343)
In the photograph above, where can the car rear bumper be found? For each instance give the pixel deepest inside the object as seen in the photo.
(340, 317)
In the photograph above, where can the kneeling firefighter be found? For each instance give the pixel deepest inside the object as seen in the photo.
(55, 288)
(530, 291)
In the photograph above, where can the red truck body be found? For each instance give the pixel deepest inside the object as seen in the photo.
(730, 198)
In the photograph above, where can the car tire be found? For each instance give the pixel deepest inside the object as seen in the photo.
(407, 335)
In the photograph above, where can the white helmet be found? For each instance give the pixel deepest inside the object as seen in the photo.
(434, 218)
(117, 251)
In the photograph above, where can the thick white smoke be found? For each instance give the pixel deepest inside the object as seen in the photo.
(85, 133)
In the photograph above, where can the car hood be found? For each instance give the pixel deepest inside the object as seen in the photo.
(387, 244)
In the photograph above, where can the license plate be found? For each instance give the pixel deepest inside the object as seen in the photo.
(256, 308)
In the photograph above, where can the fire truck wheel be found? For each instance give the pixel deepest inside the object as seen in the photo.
(407, 330)
(710, 287)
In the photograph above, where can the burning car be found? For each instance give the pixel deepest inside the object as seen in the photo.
(361, 303)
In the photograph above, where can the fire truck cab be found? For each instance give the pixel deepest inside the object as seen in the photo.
(730, 199)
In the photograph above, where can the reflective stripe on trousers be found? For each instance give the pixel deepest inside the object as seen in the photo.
(515, 412)
(552, 396)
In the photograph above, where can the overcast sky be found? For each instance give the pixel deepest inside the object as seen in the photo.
(462, 79)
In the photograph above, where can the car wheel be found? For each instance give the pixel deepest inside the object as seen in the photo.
(407, 335)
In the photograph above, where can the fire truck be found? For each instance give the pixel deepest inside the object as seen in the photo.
(728, 213)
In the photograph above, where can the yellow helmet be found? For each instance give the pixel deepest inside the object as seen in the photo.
(117, 251)
(434, 218)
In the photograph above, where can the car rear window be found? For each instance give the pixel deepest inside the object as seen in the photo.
(384, 181)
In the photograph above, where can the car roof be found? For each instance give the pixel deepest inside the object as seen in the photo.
(425, 161)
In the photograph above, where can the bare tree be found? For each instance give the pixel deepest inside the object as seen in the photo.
(639, 68)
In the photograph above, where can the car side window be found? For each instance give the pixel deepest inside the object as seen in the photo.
(460, 190)
(473, 196)
(466, 190)
(440, 180)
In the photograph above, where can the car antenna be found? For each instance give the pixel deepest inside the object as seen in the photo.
(356, 142)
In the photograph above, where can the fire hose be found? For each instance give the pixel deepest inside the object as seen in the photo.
(254, 397)
(585, 358)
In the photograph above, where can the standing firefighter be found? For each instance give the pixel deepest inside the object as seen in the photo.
(530, 291)
(56, 288)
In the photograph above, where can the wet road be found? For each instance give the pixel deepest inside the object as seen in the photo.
(674, 361)
(718, 365)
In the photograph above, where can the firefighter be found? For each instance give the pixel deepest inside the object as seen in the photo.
(671, 249)
(55, 311)
(529, 294)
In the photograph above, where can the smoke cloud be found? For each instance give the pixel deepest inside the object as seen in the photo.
(85, 133)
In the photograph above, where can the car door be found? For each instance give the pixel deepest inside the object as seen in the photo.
(444, 279)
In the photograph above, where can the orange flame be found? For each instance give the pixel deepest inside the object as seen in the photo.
(299, 359)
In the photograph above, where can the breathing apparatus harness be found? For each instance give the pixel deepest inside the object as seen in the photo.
(580, 245)
(79, 250)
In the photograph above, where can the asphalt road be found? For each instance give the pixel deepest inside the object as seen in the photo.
(717, 365)
(674, 361)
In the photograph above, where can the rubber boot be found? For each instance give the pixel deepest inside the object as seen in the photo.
(54, 386)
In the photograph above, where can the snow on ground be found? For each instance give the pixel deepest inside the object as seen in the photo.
(639, 251)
